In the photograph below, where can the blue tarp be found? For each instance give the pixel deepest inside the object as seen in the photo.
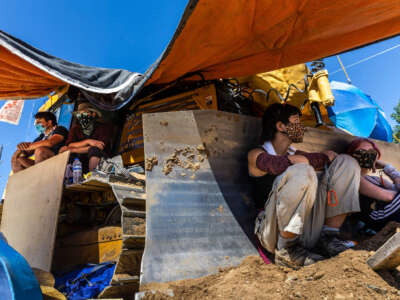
(357, 113)
(17, 281)
(85, 282)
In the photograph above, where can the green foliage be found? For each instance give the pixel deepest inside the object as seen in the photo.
(396, 116)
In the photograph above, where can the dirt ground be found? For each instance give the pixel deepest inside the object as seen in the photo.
(346, 276)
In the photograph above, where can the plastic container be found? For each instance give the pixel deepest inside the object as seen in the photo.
(68, 174)
(76, 171)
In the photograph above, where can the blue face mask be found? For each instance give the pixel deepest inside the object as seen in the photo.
(39, 127)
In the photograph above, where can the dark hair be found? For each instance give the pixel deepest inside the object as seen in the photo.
(272, 115)
(47, 116)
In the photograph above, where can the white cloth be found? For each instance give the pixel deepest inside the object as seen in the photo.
(271, 150)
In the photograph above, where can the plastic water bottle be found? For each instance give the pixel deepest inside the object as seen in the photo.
(76, 171)
(68, 174)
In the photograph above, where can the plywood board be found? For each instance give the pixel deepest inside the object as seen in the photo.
(31, 210)
(387, 256)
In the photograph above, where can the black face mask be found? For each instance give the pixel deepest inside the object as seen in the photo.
(365, 158)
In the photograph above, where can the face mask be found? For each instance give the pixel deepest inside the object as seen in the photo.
(295, 132)
(40, 128)
(365, 158)
(87, 122)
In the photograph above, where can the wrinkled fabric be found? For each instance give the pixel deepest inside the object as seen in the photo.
(298, 201)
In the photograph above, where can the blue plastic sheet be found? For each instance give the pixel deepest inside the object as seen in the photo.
(357, 113)
(85, 282)
(17, 281)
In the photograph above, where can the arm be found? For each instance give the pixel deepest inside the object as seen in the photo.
(318, 160)
(53, 140)
(84, 149)
(391, 172)
(261, 163)
(373, 191)
(87, 143)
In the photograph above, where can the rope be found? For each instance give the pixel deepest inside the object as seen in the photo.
(344, 70)
(367, 58)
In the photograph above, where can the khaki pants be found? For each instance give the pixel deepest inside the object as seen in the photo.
(298, 201)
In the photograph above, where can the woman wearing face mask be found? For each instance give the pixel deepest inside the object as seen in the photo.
(379, 198)
(297, 215)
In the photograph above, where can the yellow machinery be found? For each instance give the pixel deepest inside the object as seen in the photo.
(131, 143)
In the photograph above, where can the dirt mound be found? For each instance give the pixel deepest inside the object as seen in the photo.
(346, 276)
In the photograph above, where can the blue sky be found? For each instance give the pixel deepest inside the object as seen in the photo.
(132, 34)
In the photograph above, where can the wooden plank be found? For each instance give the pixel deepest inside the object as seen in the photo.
(31, 210)
(387, 256)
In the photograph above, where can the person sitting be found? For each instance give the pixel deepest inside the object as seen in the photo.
(89, 140)
(379, 198)
(51, 138)
(295, 212)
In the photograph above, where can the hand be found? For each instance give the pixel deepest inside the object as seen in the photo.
(96, 143)
(331, 154)
(63, 149)
(19, 153)
(23, 146)
(380, 164)
(298, 159)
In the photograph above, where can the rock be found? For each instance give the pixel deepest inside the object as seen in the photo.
(377, 289)
(318, 275)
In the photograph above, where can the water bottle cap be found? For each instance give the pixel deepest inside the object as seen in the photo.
(76, 158)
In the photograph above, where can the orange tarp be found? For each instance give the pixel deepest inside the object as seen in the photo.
(21, 79)
(227, 38)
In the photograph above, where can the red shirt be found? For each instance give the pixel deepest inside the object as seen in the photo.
(101, 132)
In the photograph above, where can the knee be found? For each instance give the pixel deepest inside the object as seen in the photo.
(41, 152)
(348, 162)
(304, 172)
(95, 151)
(15, 156)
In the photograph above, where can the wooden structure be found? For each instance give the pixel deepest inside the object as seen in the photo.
(31, 208)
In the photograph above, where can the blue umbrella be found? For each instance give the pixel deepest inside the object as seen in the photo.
(357, 113)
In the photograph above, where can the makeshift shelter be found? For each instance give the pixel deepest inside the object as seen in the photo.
(218, 39)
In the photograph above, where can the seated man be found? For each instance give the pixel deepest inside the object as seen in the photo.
(89, 140)
(46, 145)
(297, 213)
(379, 198)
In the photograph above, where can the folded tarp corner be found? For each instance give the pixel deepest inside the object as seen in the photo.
(221, 39)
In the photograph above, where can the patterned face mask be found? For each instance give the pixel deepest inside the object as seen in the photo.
(87, 122)
(365, 158)
(295, 132)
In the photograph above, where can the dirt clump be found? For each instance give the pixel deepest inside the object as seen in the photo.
(346, 276)
(189, 158)
(150, 163)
